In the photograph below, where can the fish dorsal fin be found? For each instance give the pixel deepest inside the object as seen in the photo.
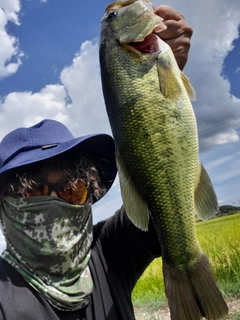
(135, 206)
(189, 88)
(206, 204)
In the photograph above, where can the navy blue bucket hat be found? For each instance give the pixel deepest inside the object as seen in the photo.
(50, 138)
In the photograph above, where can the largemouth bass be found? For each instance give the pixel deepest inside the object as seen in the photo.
(153, 123)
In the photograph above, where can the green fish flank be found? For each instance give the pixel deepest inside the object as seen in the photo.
(155, 131)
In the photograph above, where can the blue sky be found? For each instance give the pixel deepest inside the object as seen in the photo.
(49, 69)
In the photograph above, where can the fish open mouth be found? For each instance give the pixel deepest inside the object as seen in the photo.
(149, 45)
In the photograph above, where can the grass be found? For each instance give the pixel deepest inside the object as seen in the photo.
(220, 239)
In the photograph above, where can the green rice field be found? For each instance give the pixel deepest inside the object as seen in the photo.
(220, 239)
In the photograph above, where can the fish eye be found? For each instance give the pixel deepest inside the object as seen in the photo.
(112, 15)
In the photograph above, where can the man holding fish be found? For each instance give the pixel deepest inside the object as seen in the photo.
(56, 264)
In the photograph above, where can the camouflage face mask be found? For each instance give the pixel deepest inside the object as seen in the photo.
(48, 243)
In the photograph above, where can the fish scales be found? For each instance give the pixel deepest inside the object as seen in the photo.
(155, 131)
(159, 157)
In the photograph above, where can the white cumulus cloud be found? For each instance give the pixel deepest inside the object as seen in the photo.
(82, 82)
(10, 53)
(77, 101)
(27, 108)
(215, 24)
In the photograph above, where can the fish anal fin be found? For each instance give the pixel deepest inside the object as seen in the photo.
(206, 204)
(135, 206)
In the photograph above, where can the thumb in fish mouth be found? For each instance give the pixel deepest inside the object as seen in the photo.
(159, 28)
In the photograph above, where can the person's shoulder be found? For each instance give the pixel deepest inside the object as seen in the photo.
(108, 227)
(9, 275)
(3, 270)
(119, 228)
(117, 218)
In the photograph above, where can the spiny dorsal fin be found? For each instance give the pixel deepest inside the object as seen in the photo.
(189, 88)
(206, 204)
(135, 206)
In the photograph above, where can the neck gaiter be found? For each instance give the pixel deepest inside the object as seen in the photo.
(48, 242)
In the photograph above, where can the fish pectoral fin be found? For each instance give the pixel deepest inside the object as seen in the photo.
(135, 206)
(168, 82)
(206, 204)
(189, 88)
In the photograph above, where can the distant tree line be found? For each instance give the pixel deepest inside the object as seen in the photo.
(227, 209)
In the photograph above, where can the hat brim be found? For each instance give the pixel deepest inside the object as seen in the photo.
(100, 147)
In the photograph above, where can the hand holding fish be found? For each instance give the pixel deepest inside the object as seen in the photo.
(177, 35)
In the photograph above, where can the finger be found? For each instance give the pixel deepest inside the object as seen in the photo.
(177, 43)
(180, 47)
(176, 29)
(168, 13)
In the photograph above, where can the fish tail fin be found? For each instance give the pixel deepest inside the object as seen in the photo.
(195, 294)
